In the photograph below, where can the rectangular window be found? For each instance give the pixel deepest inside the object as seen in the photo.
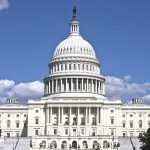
(17, 115)
(36, 121)
(123, 115)
(17, 124)
(124, 134)
(74, 132)
(112, 111)
(131, 124)
(55, 131)
(123, 124)
(82, 131)
(112, 132)
(112, 121)
(66, 131)
(25, 115)
(36, 132)
(93, 132)
(8, 134)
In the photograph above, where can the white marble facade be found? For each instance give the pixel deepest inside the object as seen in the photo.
(74, 111)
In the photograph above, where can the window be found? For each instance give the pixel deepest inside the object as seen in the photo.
(140, 115)
(131, 115)
(36, 121)
(8, 123)
(149, 124)
(8, 134)
(65, 66)
(61, 67)
(148, 115)
(124, 134)
(140, 123)
(93, 132)
(0, 115)
(69, 66)
(55, 131)
(74, 132)
(74, 66)
(123, 125)
(82, 131)
(131, 124)
(78, 66)
(17, 115)
(66, 131)
(36, 111)
(17, 124)
(112, 111)
(112, 121)
(36, 132)
(25, 115)
(123, 115)
(112, 132)
(8, 115)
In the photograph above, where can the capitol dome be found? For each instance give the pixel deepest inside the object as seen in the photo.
(74, 45)
(74, 68)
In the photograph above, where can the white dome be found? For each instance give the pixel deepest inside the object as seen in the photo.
(74, 45)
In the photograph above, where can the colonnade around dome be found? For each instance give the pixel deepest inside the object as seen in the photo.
(74, 84)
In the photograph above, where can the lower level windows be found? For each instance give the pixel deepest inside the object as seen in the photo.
(66, 131)
(55, 131)
(36, 132)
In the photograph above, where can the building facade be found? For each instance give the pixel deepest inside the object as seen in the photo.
(74, 111)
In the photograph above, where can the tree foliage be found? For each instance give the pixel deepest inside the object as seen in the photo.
(145, 140)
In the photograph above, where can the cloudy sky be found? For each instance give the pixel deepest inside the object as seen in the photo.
(118, 30)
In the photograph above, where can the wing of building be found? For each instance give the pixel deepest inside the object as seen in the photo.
(74, 111)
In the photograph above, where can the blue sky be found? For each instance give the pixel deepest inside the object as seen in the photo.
(118, 30)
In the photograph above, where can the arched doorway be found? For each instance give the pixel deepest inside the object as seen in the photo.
(54, 144)
(95, 144)
(84, 145)
(43, 144)
(74, 144)
(105, 144)
(64, 145)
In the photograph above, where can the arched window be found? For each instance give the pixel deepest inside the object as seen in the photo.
(131, 124)
(8, 123)
(105, 145)
(64, 145)
(54, 144)
(84, 145)
(140, 123)
(43, 144)
(17, 124)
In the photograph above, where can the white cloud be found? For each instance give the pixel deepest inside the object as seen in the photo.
(4, 4)
(146, 98)
(117, 87)
(22, 91)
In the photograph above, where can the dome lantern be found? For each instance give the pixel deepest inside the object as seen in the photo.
(74, 24)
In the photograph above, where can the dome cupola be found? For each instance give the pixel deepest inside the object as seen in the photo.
(74, 68)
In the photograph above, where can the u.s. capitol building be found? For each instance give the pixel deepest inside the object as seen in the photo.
(74, 111)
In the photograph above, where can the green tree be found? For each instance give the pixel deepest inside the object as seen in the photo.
(145, 140)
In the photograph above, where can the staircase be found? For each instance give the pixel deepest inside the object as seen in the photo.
(20, 143)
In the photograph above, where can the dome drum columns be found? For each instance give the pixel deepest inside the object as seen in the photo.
(85, 85)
